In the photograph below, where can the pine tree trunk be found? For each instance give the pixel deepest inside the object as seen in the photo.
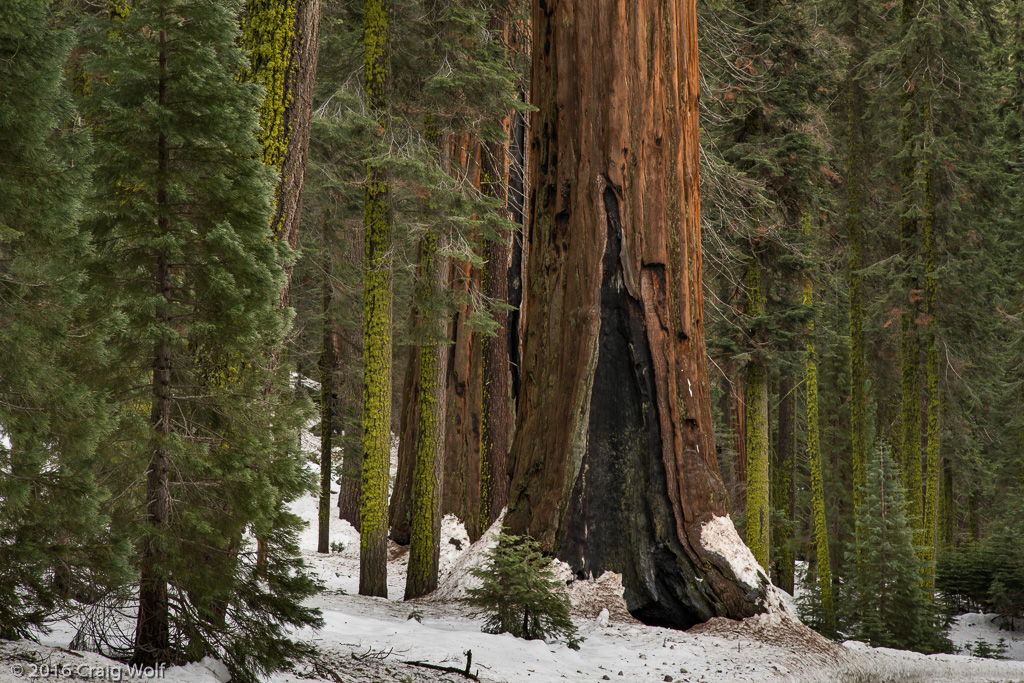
(855, 207)
(927, 540)
(425, 515)
(462, 439)
(496, 413)
(783, 498)
(399, 510)
(814, 460)
(328, 398)
(614, 459)
(376, 321)
(909, 338)
(283, 37)
(738, 427)
(516, 209)
(152, 634)
(947, 512)
(758, 514)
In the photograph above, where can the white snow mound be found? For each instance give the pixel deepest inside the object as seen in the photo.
(718, 536)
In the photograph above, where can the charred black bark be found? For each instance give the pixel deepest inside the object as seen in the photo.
(620, 518)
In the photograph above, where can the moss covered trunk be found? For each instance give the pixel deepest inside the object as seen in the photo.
(614, 459)
(783, 495)
(758, 514)
(283, 39)
(377, 297)
(425, 509)
(855, 102)
(818, 516)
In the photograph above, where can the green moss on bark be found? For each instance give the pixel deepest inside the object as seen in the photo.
(377, 314)
(814, 460)
(758, 517)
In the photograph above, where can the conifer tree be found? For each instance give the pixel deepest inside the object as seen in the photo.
(520, 594)
(54, 544)
(894, 609)
(180, 214)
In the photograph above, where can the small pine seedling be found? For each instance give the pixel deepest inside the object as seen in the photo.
(520, 594)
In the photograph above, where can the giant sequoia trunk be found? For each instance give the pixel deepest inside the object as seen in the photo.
(614, 458)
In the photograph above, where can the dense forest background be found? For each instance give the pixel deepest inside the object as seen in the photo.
(223, 223)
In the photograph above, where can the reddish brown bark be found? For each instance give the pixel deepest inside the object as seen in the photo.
(461, 488)
(615, 465)
(496, 413)
(401, 495)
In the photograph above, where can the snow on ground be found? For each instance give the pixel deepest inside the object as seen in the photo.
(368, 639)
(968, 629)
(373, 639)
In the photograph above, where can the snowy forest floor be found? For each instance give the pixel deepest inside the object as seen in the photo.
(372, 639)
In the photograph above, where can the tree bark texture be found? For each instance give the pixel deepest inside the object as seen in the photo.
(814, 459)
(328, 408)
(947, 511)
(856, 97)
(401, 495)
(928, 538)
(377, 298)
(909, 336)
(464, 379)
(425, 513)
(496, 413)
(758, 513)
(784, 496)
(283, 37)
(465, 403)
(614, 459)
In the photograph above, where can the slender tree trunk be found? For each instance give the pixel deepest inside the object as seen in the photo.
(496, 413)
(399, 510)
(615, 465)
(814, 460)
(516, 209)
(424, 545)
(462, 438)
(328, 399)
(947, 512)
(738, 394)
(376, 321)
(973, 522)
(758, 512)
(909, 337)
(854, 211)
(152, 634)
(928, 539)
(784, 495)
